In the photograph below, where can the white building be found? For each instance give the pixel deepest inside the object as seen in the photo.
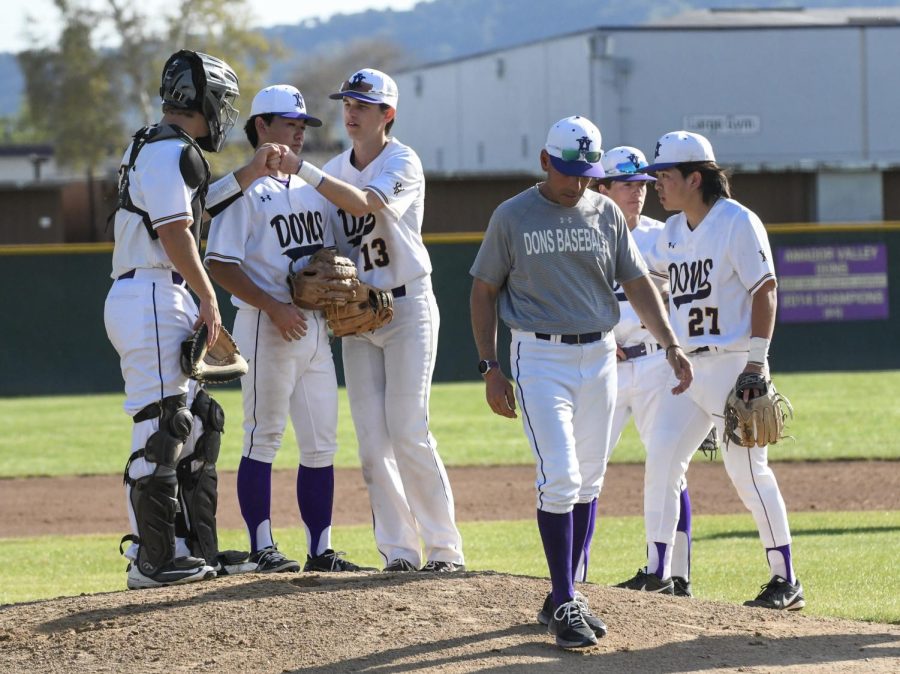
(787, 90)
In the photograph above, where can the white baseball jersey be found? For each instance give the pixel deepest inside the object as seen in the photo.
(294, 213)
(713, 272)
(629, 331)
(386, 245)
(155, 186)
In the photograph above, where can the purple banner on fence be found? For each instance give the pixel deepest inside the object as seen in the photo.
(832, 283)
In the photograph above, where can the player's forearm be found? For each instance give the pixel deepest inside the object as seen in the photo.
(179, 244)
(648, 305)
(233, 279)
(762, 311)
(350, 198)
(483, 309)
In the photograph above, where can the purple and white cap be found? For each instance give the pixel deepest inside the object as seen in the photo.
(282, 100)
(624, 163)
(369, 86)
(680, 147)
(574, 144)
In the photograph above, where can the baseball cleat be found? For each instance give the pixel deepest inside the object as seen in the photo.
(179, 571)
(232, 562)
(780, 595)
(400, 565)
(682, 587)
(598, 627)
(270, 560)
(443, 567)
(568, 625)
(649, 582)
(331, 561)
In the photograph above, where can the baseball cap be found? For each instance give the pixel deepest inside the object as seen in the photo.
(573, 144)
(680, 147)
(624, 163)
(370, 86)
(282, 100)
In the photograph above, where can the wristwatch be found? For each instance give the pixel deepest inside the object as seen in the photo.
(486, 366)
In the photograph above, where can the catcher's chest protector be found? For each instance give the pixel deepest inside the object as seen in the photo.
(194, 171)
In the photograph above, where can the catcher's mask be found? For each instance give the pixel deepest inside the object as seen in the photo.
(197, 81)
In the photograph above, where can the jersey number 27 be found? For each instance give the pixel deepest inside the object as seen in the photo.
(696, 326)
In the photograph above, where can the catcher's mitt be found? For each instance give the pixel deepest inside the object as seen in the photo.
(369, 309)
(760, 421)
(218, 364)
(327, 279)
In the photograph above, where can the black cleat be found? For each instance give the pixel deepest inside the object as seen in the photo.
(649, 582)
(682, 587)
(400, 565)
(270, 560)
(598, 627)
(443, 567)
(331, 561)
(568, 625)
(780, 595)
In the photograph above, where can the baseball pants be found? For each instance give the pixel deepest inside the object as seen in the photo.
(295, 378)
(388, 375)
(683, 423)
(566, 394)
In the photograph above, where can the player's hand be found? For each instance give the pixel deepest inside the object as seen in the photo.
(499, 394)
(289, 320)
(290, 162)
(267, 158)
(750, 393)
(682, 368)
(620, 355)
(209, 314)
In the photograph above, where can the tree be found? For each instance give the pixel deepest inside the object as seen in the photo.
(81, 97)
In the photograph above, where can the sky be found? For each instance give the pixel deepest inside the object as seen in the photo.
(269, 13)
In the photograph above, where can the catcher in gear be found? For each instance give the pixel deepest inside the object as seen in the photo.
(327, 280)
(149, 312)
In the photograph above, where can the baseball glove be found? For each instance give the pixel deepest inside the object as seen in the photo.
(327, 279)
(760, 421)
(369, 309)
(218, 364)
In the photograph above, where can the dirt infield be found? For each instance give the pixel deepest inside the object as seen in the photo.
(416, 622)
(73, 505)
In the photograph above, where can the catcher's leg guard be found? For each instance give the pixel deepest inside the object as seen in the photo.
(153, 497)
(198, 481)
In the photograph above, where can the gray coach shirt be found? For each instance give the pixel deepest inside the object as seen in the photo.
(556, 266)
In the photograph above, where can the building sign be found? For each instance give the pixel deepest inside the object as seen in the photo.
(723, 125)
(832, 283)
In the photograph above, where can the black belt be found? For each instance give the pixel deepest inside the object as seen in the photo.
(177, 278)
(636, 351)
(584, 338)
(399, 291)
(702, 349)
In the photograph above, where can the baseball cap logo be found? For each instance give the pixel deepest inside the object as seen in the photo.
(356, 82)
(635, 161)
(656, 153)
(584, 144)
(298, 100)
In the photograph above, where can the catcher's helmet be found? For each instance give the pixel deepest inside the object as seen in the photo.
(196, 81)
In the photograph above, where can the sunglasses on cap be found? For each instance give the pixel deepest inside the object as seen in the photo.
(591, 157)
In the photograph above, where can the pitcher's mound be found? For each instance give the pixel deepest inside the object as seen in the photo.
(418, 622)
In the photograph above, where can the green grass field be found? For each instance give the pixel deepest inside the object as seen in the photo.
(845, 560)
(86, 435)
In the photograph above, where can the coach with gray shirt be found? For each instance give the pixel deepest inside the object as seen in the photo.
(550, 258)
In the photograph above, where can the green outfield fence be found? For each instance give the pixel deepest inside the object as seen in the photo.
(54, 342)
